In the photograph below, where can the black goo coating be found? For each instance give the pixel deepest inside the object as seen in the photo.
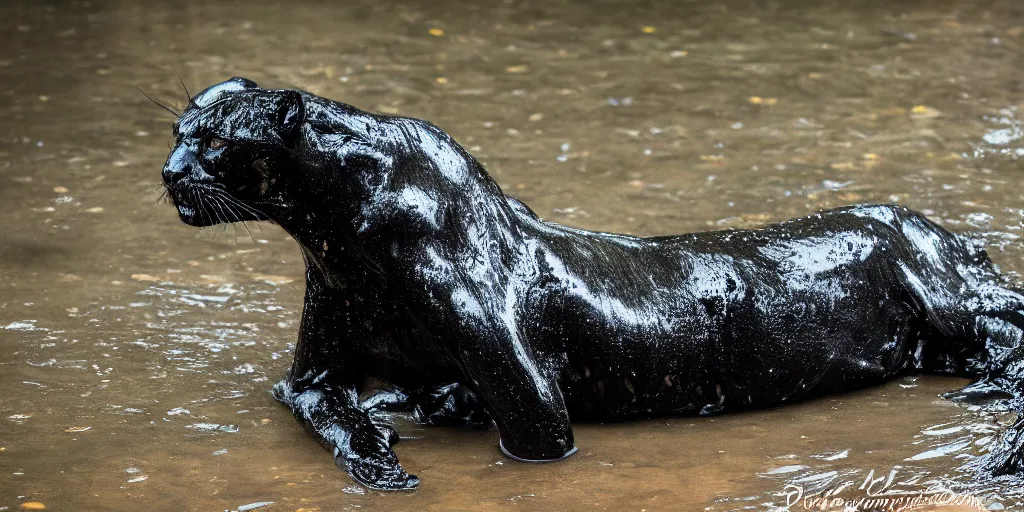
(421, 274)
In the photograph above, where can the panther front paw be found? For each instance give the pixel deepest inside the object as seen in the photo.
(381, 474)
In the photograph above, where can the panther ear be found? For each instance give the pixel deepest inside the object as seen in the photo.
(291, 112)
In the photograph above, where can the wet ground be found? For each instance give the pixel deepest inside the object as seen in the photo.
(136, 354)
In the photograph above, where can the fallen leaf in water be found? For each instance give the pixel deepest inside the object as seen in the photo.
(536, 117)
(271, 279)
(3, 449)
(869, 156)
(924, 112)
(265, 421)
(212, 279)
(77, 429)
(32, 505)
(522, 68)
(144, 277)
(68, 278)
(756, 217)
(441, 80)
(637, 183)
(290, 484)
(60, 190)
(436, 32)
(648, 29)
(843, 166)
(94, 209)
(678, 53)
(758, 100)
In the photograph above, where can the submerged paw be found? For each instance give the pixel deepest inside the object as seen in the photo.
(382, 475)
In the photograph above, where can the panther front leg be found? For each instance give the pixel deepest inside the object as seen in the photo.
(322, 390)
(518, 393)
(332, 414)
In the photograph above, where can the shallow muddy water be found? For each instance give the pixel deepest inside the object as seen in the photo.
(136, 354)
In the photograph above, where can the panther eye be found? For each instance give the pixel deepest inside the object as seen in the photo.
(217, 143)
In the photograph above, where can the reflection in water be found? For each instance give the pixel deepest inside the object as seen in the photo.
(136, 358)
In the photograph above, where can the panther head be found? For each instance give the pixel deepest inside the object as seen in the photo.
(228, 143)
(244, 153)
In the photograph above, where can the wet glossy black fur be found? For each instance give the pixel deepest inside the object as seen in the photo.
(422, 274)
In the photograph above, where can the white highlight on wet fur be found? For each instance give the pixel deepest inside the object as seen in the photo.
(519, 348)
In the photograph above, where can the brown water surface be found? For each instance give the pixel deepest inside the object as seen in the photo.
(136, 356)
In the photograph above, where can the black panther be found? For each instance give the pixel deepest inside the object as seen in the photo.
(421, 274)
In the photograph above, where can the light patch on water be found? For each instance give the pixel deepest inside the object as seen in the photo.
(254, 506)
(24, 325)
(832, 455)
(1001, 137)
(244, 369)
(785, 469)
(195, 298)
(1002, 140)
(213, 427)
(942, 450)
(818, 478)
(941, 430)
(978, 219)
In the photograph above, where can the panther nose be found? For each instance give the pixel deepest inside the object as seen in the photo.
(173, 175)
